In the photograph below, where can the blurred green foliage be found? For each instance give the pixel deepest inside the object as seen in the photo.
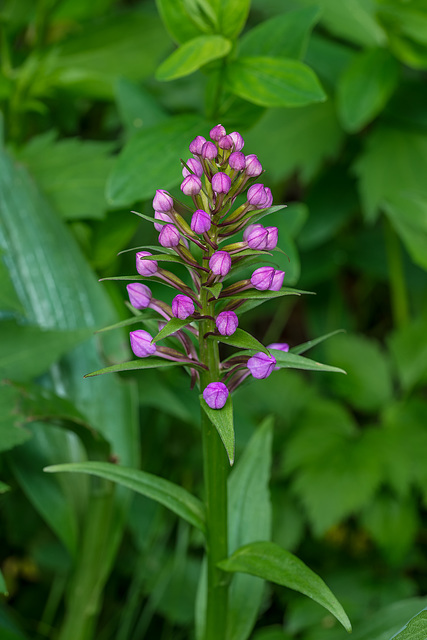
(98, 105)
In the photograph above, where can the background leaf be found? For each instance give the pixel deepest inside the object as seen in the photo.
(192, 55)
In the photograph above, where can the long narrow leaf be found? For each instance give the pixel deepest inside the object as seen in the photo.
(305, 346)
(172, 496)
(269, 561)
(143, 363)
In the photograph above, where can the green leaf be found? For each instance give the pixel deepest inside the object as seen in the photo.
(254, 294)
(274, 82)
(129, 321)
(243, 340)
(172, 496)
(249, 517)
(407, 213)
(3, 588)
(192, 55)
(4, 488)
(416, 629)
(388, 620)
(28, 351)
(313, 133)
(269, 561)
(174, 324)
(293, 361)
(183, 19)
(365, 87)
(408, 347)
(368, 385)
(72, 173)
(136, 106)
(232, 15)
(305, 346)
(215, 290)
(12, 432)
(283, 36)
(354, 21)
(151, 158)
(90, 62)
(222, 419)
(143, 363)
(9, 300)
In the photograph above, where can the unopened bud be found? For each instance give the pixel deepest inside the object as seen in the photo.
(253, 166)
(139, 295)
(261, 365)
(200, 221)
(160, 215)
(239, 143)
(237, 161)
(226, 142)
(277, 281)
(257, 196)
(215, 395)
(217, 132)
(209, 151)
(191, 185)
(145, 267)
(197, 144)
(262, 278)
(227, 323)
(162, 201)
(257, 238)
(195, 166)
(169, 236)
(272, 237)
(182, 306)
(221, 182)
(141, 345)
(220, 263)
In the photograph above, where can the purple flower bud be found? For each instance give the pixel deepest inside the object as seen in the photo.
(182, 306)
(237, 161)
(160, 215)
(195, 167)
(253, 166)
(191, 185)
(169, 236)
(256, 195)
(162, 201)
(269, 200)
(221, 182)
(277, 281)
(280, 346)
(249, 229)
(200, 221)
(262, 278)
(217, 132)
(220, 263)
(141, 345)
(261, 365)
(209, 151)
(227, 323)
(145, 267)
(272, 237)
(197, 144)
(226, 142)
(139, 295)
(215, 395)
(257, 238)
(239, 143)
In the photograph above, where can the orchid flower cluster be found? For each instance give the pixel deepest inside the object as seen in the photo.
(205, 310)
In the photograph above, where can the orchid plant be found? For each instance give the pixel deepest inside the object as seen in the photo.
(203, 237)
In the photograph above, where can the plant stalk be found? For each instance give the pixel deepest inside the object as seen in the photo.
(215, 467)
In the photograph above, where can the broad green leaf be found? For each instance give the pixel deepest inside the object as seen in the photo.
(313, 133)
(352, 20)
(72, 173)
(416, 629)
(269, 561)
(150, 160)
(305, 346)
(175, 324)
(407, 213)
(328, 58)
(192, 55)
(143, 363)
(3, 588)
(408, 347)
(368, 384)
(294, 361)
(12, 432)
(9, 300)
(222, 419)
(90, 62)
(392, 165)
(231, 15)
(137, 107)
(249, 517)
(183, 19)
(28, 351)
(274, 82)
(365, 87)
(172, 496)
(283, 36)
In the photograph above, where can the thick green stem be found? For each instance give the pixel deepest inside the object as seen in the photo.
(215, 477)
(398, 291)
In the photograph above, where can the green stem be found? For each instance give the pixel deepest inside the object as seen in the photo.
(398, 291)
(216, 468)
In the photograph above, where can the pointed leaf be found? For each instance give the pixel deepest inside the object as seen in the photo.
(293, 361)
(192, 55)
(416, 629)
(269, 561)
(144, 363)
(175, 324)
(216, 289)
(244, 340)
(130, 321)
(305, 346)
(222, 419)
(172, 496)
(254, 294)
(274, 82)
